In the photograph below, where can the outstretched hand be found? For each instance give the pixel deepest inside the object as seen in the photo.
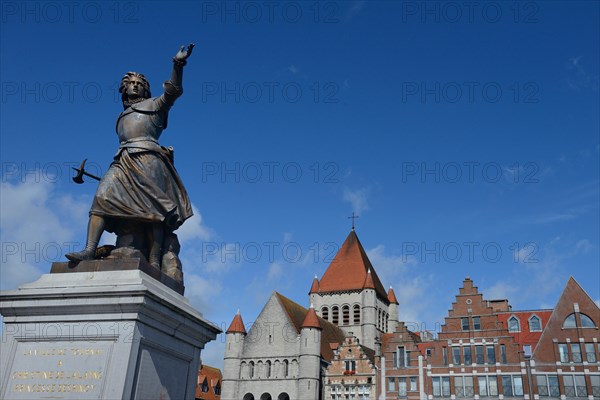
(183, 54)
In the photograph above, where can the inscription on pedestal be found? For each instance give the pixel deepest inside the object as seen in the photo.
(59, 370)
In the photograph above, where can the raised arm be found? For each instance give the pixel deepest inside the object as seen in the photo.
(173, 87)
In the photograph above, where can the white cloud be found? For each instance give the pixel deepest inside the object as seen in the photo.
(38, 225)
(194, 229)
(357, 198)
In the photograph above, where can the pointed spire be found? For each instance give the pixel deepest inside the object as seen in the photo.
(392, 296)
(311, 320)
(315, 286)
(348, 270)
(237, 325)
(369, 284)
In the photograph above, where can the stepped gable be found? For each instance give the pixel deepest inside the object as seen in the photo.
(297, 314)
(349, 269)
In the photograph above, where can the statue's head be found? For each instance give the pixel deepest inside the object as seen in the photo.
(134, 86)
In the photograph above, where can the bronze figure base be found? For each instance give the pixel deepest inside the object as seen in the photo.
(117, 264)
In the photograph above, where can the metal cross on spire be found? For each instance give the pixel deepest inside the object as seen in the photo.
(353, 217)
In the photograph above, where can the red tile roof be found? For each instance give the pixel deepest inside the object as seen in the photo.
(392, 296)
(315, 286)
(311, 320)
(213, 377)
(348, 270)
(525, 336)
(237, 325)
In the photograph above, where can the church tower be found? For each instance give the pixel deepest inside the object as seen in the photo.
(351, 296)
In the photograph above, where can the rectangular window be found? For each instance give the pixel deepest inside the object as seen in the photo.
(503, 354)
(407, 359)
(580, 387)
(569, 385)
(553, 385)
(493, 385)
(391, 384)
(595, 380)
(350, 365)
(488, 386)
(441, 386)
(507, 386)
(459, 390)
(469, 392)
(401, 357)
(563, 352)
(491, 355)
(445, 355)
(590, 354)
(402, 386)
(542, 384)
(477, 323)
(428, 352)
(464, 322)
(467, 355)
(482, 386)
(576, 352)
(479, 354)
(527, 350)
(456, 355)
(518, 385)
(413, 384)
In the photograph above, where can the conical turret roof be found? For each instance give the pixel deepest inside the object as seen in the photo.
(237, 325)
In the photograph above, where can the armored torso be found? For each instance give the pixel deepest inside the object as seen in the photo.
(146, 119)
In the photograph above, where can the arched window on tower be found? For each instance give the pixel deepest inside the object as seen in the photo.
(356, 314)
(286, 369)
(346, 315)
(335, 315)
(251, 369)
(325, 313)
(268, 369)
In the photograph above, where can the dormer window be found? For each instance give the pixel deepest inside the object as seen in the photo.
(535, 324)
(513, 324)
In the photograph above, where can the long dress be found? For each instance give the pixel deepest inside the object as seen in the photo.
(142, 184)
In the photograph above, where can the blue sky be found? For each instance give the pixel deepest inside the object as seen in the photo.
(465, 138)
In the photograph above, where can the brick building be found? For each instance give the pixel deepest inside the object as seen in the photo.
(487, 350)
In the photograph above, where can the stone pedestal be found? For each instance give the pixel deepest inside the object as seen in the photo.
(100, 335)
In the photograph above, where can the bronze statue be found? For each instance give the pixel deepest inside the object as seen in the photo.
(141, 197)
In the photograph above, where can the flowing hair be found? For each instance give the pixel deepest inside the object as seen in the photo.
(127, 78)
